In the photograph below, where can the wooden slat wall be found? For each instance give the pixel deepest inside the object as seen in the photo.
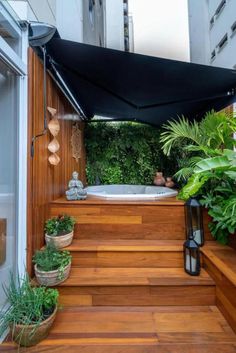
(225, 292)
(46, 182)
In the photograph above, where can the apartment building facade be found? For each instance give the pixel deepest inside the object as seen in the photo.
(97, 22)
(212, 29)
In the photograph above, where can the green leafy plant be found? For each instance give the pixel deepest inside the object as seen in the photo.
(61, 225)
(210, 171)
(26, 304)
(50, 258)
(127, 153)
(205, 139)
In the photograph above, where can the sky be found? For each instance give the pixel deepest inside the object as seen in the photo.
(161, 28)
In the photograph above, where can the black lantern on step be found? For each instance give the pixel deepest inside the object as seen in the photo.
(193, 219)
(191, 257)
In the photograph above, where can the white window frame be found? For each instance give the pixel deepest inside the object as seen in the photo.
(19, 65)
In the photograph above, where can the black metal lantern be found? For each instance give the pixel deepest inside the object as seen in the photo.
(193, 219)
(191, 257)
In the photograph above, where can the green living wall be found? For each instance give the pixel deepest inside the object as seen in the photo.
(126, 153)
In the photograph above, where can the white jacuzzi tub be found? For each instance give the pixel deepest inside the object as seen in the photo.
(130, 192)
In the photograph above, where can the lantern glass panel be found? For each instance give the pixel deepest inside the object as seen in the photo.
(194, 224)
(191, 257)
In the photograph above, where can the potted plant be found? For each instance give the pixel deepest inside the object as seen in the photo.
(52, 265)
(29, 312)
(59, 230)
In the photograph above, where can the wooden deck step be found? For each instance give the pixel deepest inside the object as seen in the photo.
(134, 276)
(195, 329)
(136, 286)
(128, 253)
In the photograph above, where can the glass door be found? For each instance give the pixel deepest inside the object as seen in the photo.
(8, 173)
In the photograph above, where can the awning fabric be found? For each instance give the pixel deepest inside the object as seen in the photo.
(128, 86)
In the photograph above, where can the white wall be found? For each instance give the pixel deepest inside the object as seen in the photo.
(66, 15)
(44, 10)
(69, 19)
(161, 28)
(114, 24)
(198, 31)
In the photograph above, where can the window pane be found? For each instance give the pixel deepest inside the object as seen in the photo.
(10, 31)
(8, 173)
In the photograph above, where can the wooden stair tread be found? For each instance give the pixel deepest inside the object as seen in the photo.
(178, 329)
(133, 277)
(132, 245)
(224, 259)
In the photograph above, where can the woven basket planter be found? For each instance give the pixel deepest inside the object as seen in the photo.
(30, 335)
(51, 278)
(60, 241)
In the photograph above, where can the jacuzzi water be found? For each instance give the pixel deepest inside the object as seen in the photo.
(130, 192)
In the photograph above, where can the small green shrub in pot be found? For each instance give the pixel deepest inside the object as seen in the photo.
(52, 265)
(59, 230)
(29, 311)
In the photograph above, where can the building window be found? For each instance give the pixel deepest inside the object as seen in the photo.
(91, 11)
(223, 42)
(233, 28)
(220, 7)
(213, 55)
(10, 30)
(212, 21)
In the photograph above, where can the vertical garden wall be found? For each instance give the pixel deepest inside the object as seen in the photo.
(126, 153)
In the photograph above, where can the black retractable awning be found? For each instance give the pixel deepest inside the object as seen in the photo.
(129, 86)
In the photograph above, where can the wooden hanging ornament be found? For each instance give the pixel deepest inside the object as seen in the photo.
(76, 141)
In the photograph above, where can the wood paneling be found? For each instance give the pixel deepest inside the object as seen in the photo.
(46, 182)
(3, 243)
(105, 219)
(135, 286)
(220, 264)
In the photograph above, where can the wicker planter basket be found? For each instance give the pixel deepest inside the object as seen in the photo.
(60, 241)
(51, 278)
(30, 335)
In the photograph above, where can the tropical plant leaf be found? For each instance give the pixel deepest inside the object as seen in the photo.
(212, 163)
(195, 183)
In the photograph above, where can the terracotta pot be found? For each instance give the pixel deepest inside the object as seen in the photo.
(169, 182)
(51, 278)
(60, 241)
(159, 180)
(30, 335)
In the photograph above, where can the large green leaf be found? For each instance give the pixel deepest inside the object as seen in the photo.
(195, 183)
(208, 164)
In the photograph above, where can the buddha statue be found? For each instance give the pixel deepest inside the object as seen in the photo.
(76, 189)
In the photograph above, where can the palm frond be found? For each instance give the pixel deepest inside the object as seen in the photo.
(184, 173)
(179, 131)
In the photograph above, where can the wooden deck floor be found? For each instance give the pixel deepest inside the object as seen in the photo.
(163, 329)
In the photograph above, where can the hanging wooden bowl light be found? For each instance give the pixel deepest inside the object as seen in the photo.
(54, 159)
(54, 146)
(54, 128)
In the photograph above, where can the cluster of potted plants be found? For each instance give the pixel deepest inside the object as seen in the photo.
(31, 308)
